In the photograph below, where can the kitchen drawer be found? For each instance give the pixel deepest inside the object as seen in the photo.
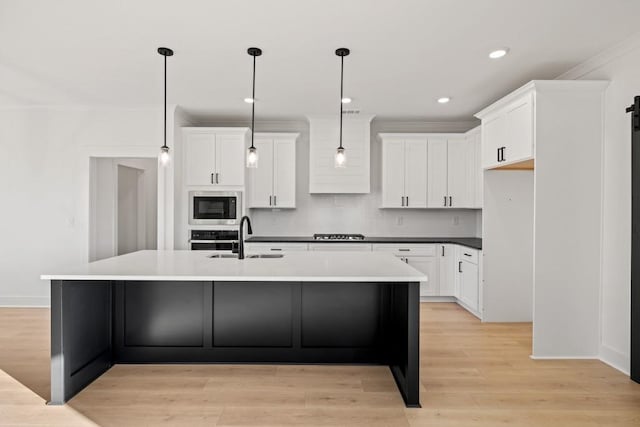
(275, 247)
(337, 247)
(406, 250)
(467, 254)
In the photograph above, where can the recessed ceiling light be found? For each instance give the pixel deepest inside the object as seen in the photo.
(249, 100)
(346, 100)
(498, 53)
(444, 100)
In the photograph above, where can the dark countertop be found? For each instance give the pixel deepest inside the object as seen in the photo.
(471, 242)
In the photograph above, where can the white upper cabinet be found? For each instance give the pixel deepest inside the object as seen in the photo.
(508, 129)
(393, 173)
(404, 176)
(437, 173)
(260, 189)
(457, 168)
(324, 138)
(430, 170)
(475, 179)
(273, 183)
(214, 156)
(448, 174)
(415, 174)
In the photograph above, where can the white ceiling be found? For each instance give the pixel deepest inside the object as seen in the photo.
(405, 54)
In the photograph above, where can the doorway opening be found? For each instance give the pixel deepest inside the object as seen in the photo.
(123, 211)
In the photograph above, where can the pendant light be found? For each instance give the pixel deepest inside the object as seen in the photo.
(341, 158)
(252, 153)
(164, 150)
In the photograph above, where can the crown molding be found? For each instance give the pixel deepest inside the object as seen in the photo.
(602, 58)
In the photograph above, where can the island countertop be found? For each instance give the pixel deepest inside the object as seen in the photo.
(182, 265)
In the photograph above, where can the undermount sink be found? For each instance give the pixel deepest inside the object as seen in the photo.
(235, 256)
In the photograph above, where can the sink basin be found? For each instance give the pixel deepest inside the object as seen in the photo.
(235, 256)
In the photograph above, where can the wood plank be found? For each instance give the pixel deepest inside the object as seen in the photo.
(472, 374)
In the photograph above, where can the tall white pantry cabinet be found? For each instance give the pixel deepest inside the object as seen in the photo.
(542, 151)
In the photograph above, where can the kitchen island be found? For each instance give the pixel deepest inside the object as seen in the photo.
(186, 307)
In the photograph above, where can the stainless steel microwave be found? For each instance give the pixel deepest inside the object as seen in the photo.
(215, 207)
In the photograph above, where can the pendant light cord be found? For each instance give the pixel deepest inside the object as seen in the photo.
(341, 94)
(165, 102)
(253, 104)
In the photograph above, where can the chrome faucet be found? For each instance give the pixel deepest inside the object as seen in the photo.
(241, 235)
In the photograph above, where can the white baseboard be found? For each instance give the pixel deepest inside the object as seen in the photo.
(25, 301)
(615, 359)
(564, 357)
(437, 299)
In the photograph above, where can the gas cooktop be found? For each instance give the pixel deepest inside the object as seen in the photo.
(321, 236)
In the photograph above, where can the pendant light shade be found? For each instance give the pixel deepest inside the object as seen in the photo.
(164, 150)
(341, 158)
(252, 153)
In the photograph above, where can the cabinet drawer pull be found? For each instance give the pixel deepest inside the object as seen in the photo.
(466, 254)
(459, 266)
(276, 249)
(404, 250)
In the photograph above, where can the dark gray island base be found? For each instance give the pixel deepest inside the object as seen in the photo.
(98, 323)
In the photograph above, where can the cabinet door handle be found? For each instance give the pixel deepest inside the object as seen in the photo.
(406, 260)
(407, 198)
(217, 178)
(212, 179)
(445, 201)
(275, 202)
(402, 201)
(450, 201)
(459, 266)
(498, 150)
(443, 250)
(270, 198)
(503, 159)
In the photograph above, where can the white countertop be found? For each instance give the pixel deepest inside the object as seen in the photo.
(313, 266)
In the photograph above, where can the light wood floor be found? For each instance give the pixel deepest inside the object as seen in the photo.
(472, 374)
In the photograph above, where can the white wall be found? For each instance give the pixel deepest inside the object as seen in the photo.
(44, 184)
(356, 213)
(103, 182)
(508, 246)
(620, 65)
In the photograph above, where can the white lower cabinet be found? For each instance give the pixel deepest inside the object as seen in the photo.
(260, 247)
(446, 269)
(426, 265)
(340, 247)
(421, 257)
(468, 279)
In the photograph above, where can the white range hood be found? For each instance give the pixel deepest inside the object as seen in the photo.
(324, 133)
